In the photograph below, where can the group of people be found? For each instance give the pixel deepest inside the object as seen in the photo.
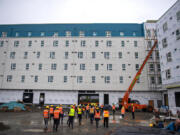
(90, 111)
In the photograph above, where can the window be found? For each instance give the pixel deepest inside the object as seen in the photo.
(151, 67)
(121, 79)
(23, 78)
(94, 34)
(65, 66)
(120, 55)
(149, 44)
(68, 33)
(96, 66)
(42, 34)
(65, 79)
(106, 55)
(165, 27)
(16, 43)
(4, 34)
(164, 43)
(136, 55)
(80, 55)
(50, 78)
(152, 80)
(40, 66)
(124, 67)
(66, 55)
(178, 15)
(52, 55)
(137, 67)
(135, 44)
(178, 34)
(93, 55)
(30, 43)
(82, 66)
(25, 55)
(158, 67)
(107, 79)
(35, 78)
(81, 34)
(151, 56)
(93, 79)
(96, 43)
(169, 57)
(108, 33)
(13, 66)
(121, 33)
(122, 43)
(1, 43)
(159, 80)
(53, 66)
(134, 33)
(12, 55)
(83, 43)
(109, 66)
(109, 43)
(67, 43)
(168, 74)
(138, 80)
(55, 34)
(9, 78)
(29, 34)
(55, 43)
(42, 43)
(157, 55)
(38, 55)
(79, 79)
(148, 33)
(27, 66)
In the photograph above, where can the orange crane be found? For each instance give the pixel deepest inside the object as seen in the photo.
(127, 93)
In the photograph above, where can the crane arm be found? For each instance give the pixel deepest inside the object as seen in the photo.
(126, 95)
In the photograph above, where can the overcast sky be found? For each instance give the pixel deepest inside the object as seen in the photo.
(82, 11)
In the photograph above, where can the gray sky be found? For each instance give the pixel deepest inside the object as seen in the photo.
(81, 11)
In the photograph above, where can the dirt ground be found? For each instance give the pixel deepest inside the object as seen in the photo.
(28, 123)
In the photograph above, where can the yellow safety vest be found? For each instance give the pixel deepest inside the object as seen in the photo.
(106, 114)
(79, 111)
(71, 112)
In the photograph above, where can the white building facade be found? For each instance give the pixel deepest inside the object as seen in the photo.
(168, 29)
(69, 63)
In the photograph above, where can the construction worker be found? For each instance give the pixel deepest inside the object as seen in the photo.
(83, 110)
(56, 119)
(102, 106)
(91, 114)
(123, 111)
(51, 111)
(61, 114)
(79, 114)
(87, 111)
(106, 117)
(113, 109)
(97, 116)
(46, 117)
(133, 111)
(71, 116)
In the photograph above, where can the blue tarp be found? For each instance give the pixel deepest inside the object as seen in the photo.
(13, 104)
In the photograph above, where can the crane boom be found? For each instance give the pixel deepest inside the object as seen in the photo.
(126, 95)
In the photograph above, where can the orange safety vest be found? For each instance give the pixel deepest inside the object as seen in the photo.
(84, 109)
(91, 110)
(106, 114)
(61, 110)
(102, 106)
(133, 109)
(113, 107)
(56, 114)
(87, 107)
(51, 110)
(74, 107)
(122, 110)
(46, 113)
(97, 114)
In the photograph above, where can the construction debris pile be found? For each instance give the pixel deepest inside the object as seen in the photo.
(12, 106)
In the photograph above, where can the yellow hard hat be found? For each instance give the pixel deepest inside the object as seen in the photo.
(47, 107)
(57, 107)
(51, 105)
(151, 125)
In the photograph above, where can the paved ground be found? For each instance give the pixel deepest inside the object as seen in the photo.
(28, 123)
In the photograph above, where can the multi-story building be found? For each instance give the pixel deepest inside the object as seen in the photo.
(168, 33)
(153, 64)
(73, 63)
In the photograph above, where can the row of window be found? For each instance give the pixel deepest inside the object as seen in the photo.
(107, 79)
(81, 67)
(153, 80)
(67, 43)
(80, 55)
(68, 34)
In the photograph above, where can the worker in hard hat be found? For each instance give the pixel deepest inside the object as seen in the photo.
(61, 114)
(51, 111)
(46, 117)
(87, 111)
(79, 112)
(106, 117)
(71, 116)
(133, 111)
(123, 111)
(97, 116)
(56, 119)
(91, 114)
(114, 110)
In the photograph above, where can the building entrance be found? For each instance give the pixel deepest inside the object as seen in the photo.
(88, 99)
